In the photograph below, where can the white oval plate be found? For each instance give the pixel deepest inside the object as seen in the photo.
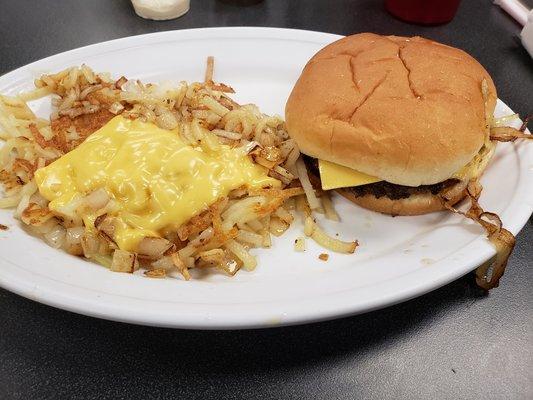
(399, 258)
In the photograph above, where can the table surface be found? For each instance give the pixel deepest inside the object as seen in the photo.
(454, 343)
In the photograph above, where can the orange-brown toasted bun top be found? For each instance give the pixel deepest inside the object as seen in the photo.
(407, 110)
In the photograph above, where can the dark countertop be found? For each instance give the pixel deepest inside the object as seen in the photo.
(453, 343)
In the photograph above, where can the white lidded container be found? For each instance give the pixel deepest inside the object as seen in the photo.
(160, 9)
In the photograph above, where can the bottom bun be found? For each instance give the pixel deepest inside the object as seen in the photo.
(416, 204)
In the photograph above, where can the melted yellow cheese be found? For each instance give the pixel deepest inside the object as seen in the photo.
(156, 181)
(334, 176)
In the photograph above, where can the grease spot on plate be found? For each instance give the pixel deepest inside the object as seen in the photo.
(274, 320)
(427, 261)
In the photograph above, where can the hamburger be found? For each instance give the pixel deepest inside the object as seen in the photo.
(394, 124)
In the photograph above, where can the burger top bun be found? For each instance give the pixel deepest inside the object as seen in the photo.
(407, 110)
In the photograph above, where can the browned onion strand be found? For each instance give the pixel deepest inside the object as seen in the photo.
(501, 238)
(523, 127)
(508, 134)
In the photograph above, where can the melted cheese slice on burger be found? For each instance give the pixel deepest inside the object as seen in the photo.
(335, 176)
(156, 181)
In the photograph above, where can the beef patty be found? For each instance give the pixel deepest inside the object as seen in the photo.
(382, 188)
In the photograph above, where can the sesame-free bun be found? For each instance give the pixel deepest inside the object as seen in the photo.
(407, 110)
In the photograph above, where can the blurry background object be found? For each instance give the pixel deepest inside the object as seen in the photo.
(515, 9)
(160, 9)
(425, 12)
(527, 34)
(523, 14)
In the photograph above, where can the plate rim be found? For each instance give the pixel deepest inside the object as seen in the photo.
(308, 312)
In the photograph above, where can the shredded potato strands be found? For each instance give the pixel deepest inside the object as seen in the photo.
(313, 202)
(312, 230)
(220, 236)
(501, 238)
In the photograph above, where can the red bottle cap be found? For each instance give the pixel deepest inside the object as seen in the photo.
(427, 12)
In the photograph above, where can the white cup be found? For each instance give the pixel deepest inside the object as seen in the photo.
(160, 9)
